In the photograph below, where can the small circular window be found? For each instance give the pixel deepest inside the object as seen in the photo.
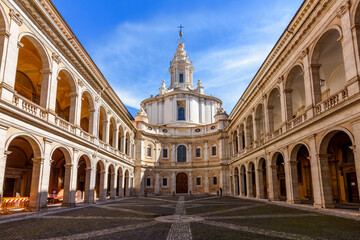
(150, 128)
(212, 127)
(165, 130)
(198, 130)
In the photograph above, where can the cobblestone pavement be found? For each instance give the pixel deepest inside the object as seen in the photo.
(180, 217)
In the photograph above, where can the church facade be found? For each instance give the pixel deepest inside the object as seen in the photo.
(294, 134)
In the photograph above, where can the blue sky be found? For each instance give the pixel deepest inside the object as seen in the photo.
(133, 41)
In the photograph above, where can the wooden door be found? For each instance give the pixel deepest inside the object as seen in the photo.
(181, 183)
(353, 188)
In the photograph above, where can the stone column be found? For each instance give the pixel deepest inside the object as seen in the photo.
(272, 180)
(242, 184)
(189, 153)
(52, 85)
(73, 106)
(11, 57)
(102, 185)
(89, 186)
(284, 118)
(157, 184)
(349, 51)
(120, 181)
(356, 150)
(113, 186)
(315, 81)
(266, 117)
(106, 131)
(44, 175)
(259, 183)
(292, 186)
(316, 176)
(255, 127)
(249, 185)
(190, 182)
(246, 133)
(69, 194)
(115, 136)
(239, 142)
(325, 188)
(38, 164)
(206, 182)
(288, 102)
(3, 157)
(308, 85)
(92, 125)
(173, 155)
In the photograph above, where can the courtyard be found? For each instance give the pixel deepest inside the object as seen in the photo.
(179, 217)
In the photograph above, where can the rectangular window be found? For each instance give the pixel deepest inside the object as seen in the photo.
(214, 180)
(213, 151)
(165, 153)
(148, 182)
(181, 110)
(148, 151)
(198, 181)
(181, 78)
(198, 152)
(164, 182)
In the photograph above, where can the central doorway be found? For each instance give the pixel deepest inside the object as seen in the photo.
(181, 183)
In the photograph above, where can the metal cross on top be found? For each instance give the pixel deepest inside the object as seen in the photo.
(181, 28)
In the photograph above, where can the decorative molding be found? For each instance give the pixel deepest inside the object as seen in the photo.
(56, 58)
(344, 9)
(16, 17)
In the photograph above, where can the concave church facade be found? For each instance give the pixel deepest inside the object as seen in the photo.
(294, 134)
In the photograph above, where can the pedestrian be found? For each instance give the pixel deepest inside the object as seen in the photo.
(221, 191)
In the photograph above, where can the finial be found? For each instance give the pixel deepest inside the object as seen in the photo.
(181, 40)
(163, 84)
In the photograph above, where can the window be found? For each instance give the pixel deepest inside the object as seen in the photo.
(181, 113)
(148, 151)
(181, 153)
(148, 182)
(214, 180)
(198, 181)
(198, 152)
(213, 151)
(165, 153)
(165, 182)
(181, 78)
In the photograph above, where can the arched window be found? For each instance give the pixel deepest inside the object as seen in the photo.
(181, 113)
(148, 151)
(181, 153)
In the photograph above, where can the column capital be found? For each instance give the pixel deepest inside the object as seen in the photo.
(38, 160)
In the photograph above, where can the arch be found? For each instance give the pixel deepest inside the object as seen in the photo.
(84, 170)
(181, 153)
(4, 28)
(301, 173)
(112, 132)
(262, 178)
(260, 122)
(100, 187)
(249, 130)
(181, 183)
(295, 92)
(274, 110)
(66, 151)
(120, 138)
(338, 167)
(278, 176)
(102, 123)
(327, 64)
(119, 185)
(235, 142)
(87, 112)
(66, 93)
(22, 169)
(32, 70)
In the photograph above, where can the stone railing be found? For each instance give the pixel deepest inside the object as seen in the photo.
(331, 102)
(296, 122)
(65, 125)
(275, 133)
(29, 107)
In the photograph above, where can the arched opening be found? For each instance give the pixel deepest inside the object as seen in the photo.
(83, 180)
(112, 132)
(242, 137)
(263, 186)
(65, 97)
(328, 66)
(260, 123)
(343, 179)
(251, 180)
(126, 184)
(32, 71)
(23, 156)
(243, 185)
(304, 174)
(100, 191)
(181, 153)
(280, 175)
(59, 181)
(235, 143)
(111, 182)
(181, 183)
(295, 93)
(250, 130)
(127, 144)
(120, 141)
(274, 110)
(87, 113)
(102, 124)
(119, 184)
(237, 185)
